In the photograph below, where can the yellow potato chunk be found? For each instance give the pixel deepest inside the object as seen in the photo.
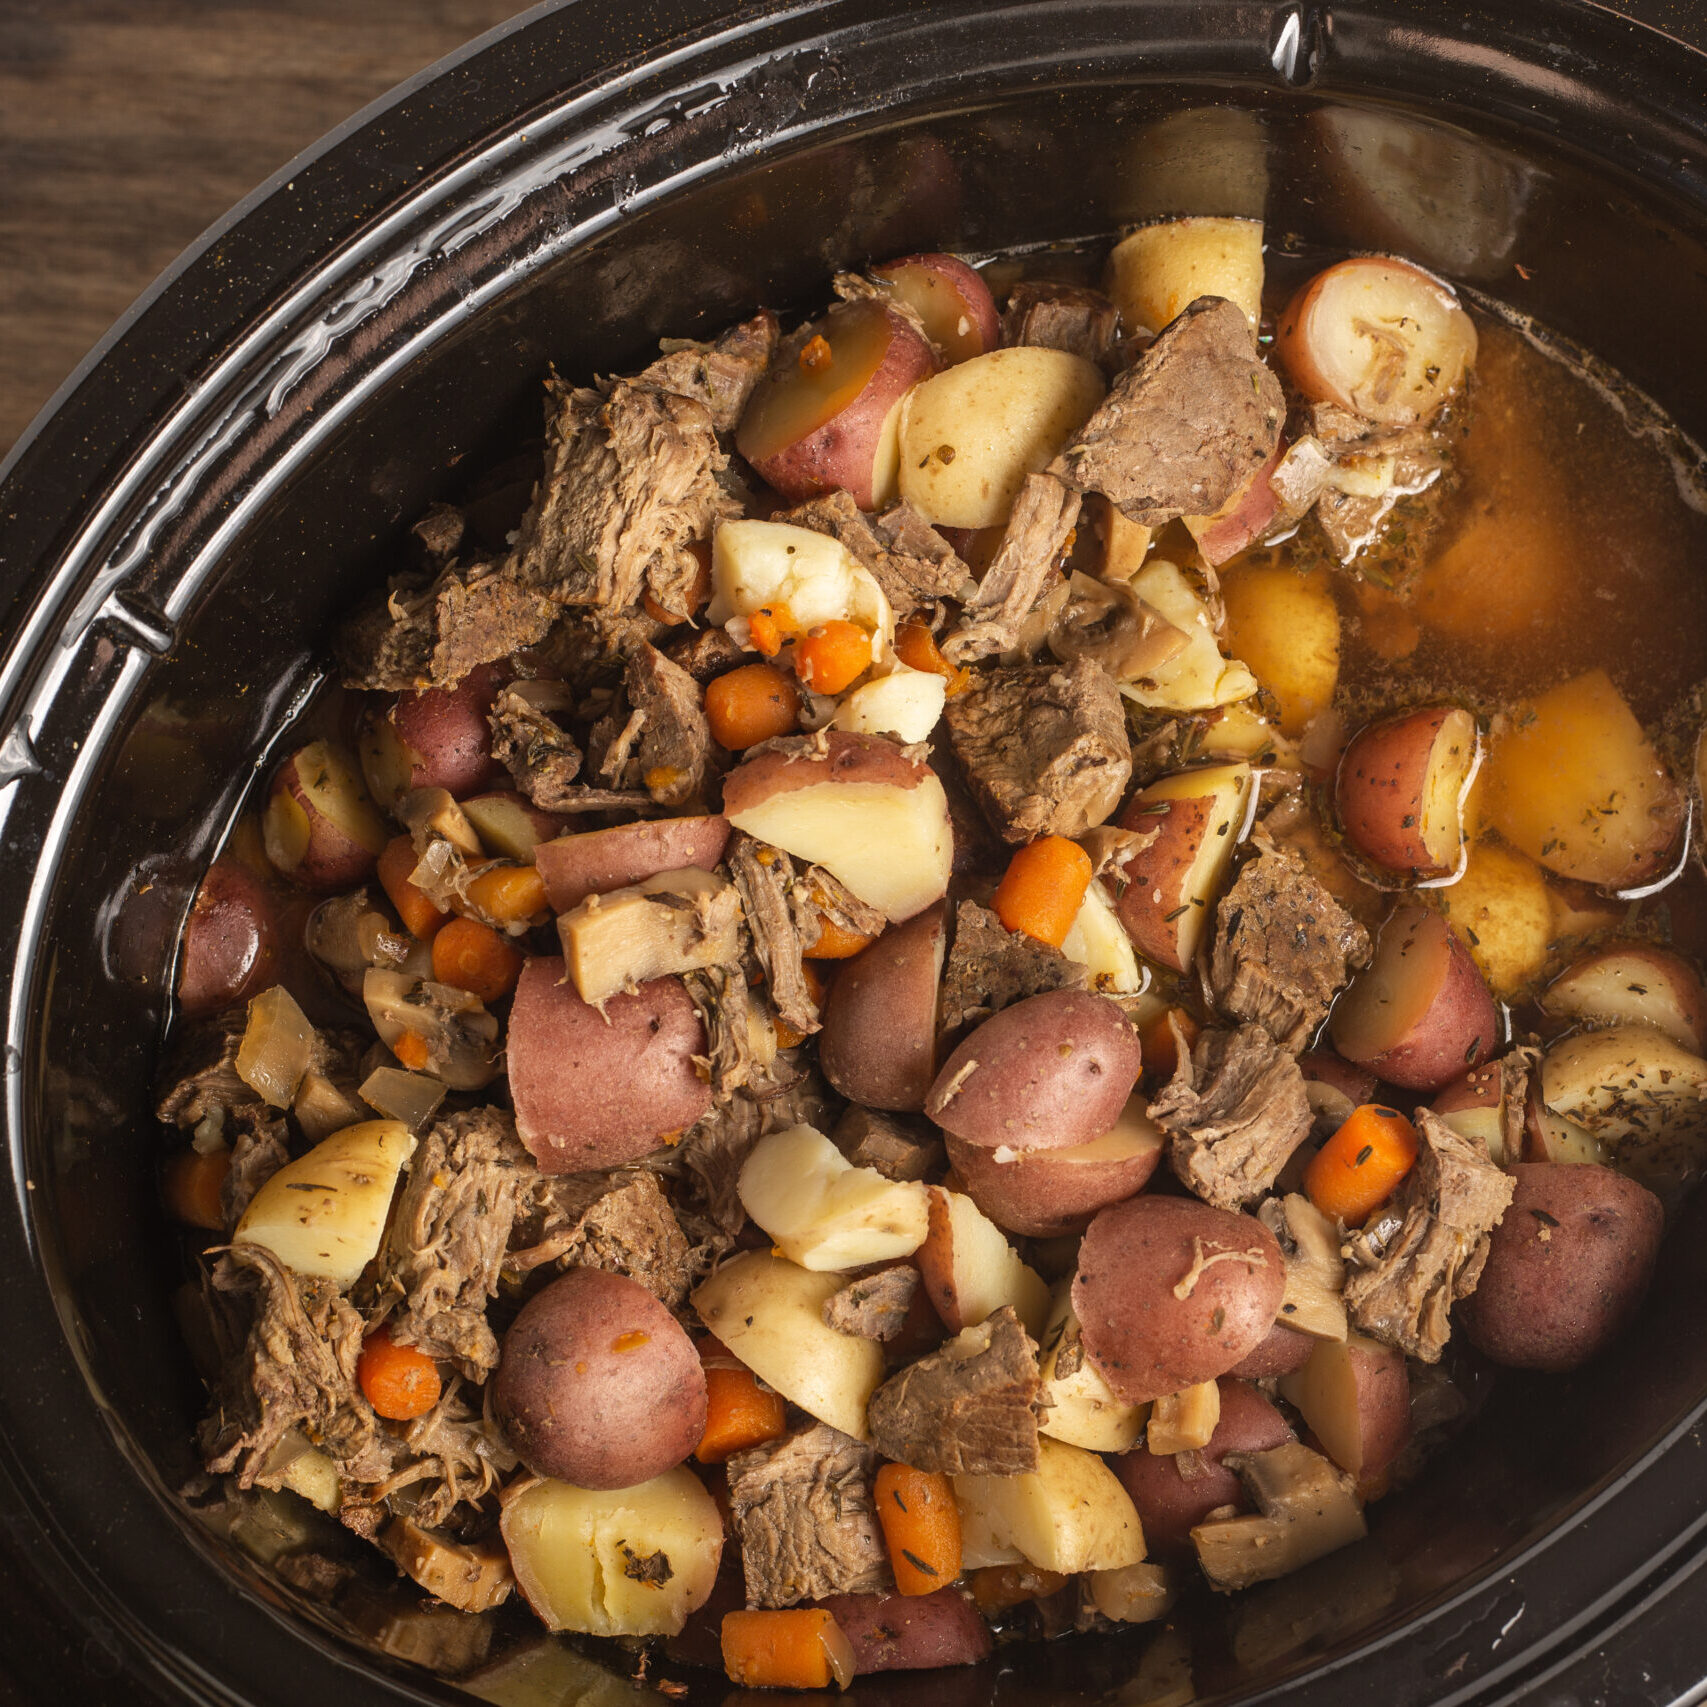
(1160, 269)
(1286, 628)
(1502, 910)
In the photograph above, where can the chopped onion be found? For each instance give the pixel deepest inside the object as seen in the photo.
(277, 1045)
(412, 1098)
(839, 1651)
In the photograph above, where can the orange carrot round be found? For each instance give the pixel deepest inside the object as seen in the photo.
(771, 627)
(474, 957)
(399, 1381)
(1361, 1166)
(1041, 891)
(921, 1527)
(411, 1049)
(834, 943)
(192, 1187)
(802, 1647)
(509, 893)
(916, 647)
(738, 1414)
(420, 917)
(832, 656)
(996, 1588)
(754, 703)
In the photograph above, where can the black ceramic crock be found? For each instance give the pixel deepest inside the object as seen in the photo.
(242, 456)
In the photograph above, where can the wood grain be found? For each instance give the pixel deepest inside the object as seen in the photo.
(127, 127)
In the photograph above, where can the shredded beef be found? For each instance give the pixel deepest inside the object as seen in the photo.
(875, 1306)
(621, 1222)
(1022, 569)
(1186, 426)
(888, 1143)
(765, 877)
(907, 557)
(1061, 317)
(1403, 1279)
(452, 1456)
(732, 1021)
(705, 654)
(260, 1146)
(722, 373)
(1234, 1111)
(968, 1409)
(802, 1508)
(1044, 747)
(990, 968)
(674, 756)
(200, 1078)
(1284, 948)
(543, 756)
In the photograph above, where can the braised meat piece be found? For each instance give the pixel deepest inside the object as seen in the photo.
(1426, 1250)
(1061, 317)
(875, 1306)
(200, 1079)
(765, 878)
(260, 1146)
(1044, 747)
(990, 968)
(619, 1222)
(1022, 569)
(532, 742)
(1234, 1111)
(720, 374)
(802, 1509)
(889, 1143)
(705, 653)
(1184, 427)
(968, 1409)
(1284, 948)
(673, 759)
(733, 1023)
(907, 557)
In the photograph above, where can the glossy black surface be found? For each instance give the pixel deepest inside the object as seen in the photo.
(246, 454)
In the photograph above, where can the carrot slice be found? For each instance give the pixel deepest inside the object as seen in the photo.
(916, 647)
(192, 1187)
(1157, 1040)
(754, 703)
(921, 1527)
(738, 1414)
(800, 1648)
(1361, 1166)
(474, 957)
(1042, 889)
(833, 656)
(996, 1588)
(400, 1381)
(420, 917)
(834, 943)
(509, 893)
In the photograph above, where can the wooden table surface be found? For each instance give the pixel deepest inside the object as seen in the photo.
(128, 126)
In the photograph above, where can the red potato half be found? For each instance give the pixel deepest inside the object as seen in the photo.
(230, 947)
(951, 299)
(1171, 886)
(1550, 1137)
(1170, 1292)
(1044, 1193)
(509, 825)
(1242, 520)
(437, 738)
(969, 1269)
(1356, 1398)
(825, 414)
(597, 861)
(1280, 1351)
(1379, 337)
(596, 1090)
(1637, 983)
(858, 806)
(1419, 1014)
(319, 828)
(910, 1632)
(1401, 787)
(878, 1043)
(1473, 1105)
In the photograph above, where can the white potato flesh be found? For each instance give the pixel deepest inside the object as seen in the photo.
(1097, 940)
(1161, 269)
(970, 435)
(1199, 677)
(1070, 1514)
(759, 564)
(769, 1312)
(1083, 1409)
(906, 703)
(969, 1255)
(586, 1560)
(824, 1213)
(325, 1213)
(1184, 1421)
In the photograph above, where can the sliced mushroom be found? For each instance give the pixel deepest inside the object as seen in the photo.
(1306, 1508)
(1315, 1271)
(459, 1035)
(470, 1577)
(679, 921)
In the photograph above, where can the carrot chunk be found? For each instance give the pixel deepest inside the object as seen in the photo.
(1041, 891)
(509, 893)
(192, 1187)
(771, 626)
(754, 703)
(996, 1588)
(399, 1381)
(832, 656)
(916, 647)
(1361, 1166)
(921, 1527)
(800, 1648)
(1158, 1042)
(738, 1414)
(834, 943)
(420, 917)
(474, 957)
(412, 1050)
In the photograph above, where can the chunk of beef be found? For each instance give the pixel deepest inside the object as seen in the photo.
(1044, 747)
(990, 968)
(1024, 566)
(543, 757)
(452, 1456)
(873, 1307)
(968, 1409)
(765, 878)
(444, 1248)
(1234, 1111)
(673, 759)
(890, 1143)
(619, 1222)
(720, 374)
(1186, 426)
(705, 653)
(734, 1029)
(260, 1146)
(440, 531)
(1427, 1249)
(802, 1508)
(907, 557)
(1061, 317)
(1284, 948)
(199, 1083)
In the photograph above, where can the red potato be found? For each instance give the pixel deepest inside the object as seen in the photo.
(1044, 1193)
(509, 825)
(858, 806)
(1169, 1504)
(825, 414)
(878, 1043)
(1379, 337)
(1419, 1014)
(910, 1632)
(1567, 1267)
(1634, 983)
(437, 738)
(1356, 1398)
(1473, 1105)
(1550, 1137)
(1170, 1292)
(319, 828)
(1280, 1351)
(230, 948)
(596, 1090)
(597, 861)
(1046, 1073)
(1242, 520)
(1171, 885)
(969, 1269)
(598, 1384)
(1401, 787)
(952, 300)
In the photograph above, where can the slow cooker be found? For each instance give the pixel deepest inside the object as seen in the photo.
(243, 455)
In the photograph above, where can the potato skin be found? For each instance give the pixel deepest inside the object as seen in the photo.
(230, 950)
(598, 1384)
(1047, 1192)
(1168, 1504)
(1047, 1073)
(1566, 1268)
(592, 1091)
(878, 1044)
(845, 757)
(446, 732)
(896, 1632)
(1279, 1352)
(1379, 788)
(1146, 1341)
(596, 861)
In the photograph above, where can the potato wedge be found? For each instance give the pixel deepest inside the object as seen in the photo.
(1070, 1515)
(1156, 270)
(1634, 983)
(1199, 677)
(970, 1269)
(1098, 941)
(1286, 629)
(1501, 910)
(1083, 1410)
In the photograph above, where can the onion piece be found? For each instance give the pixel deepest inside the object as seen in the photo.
(277, 1045)
(412, 1098)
